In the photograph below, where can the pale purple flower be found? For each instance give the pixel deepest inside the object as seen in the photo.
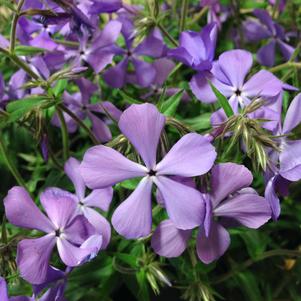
(98, 52)
(98, 198)
(144, 72)
(230, 200)
(286, 165)
(216, 12)
(74, 236)
(196, 50)
(228, 75)
(191, 156)
(79, 104)
(265, 28)
(163, 68)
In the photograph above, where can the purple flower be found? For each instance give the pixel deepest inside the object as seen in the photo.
(100, 51)
(79, 104)
(73, 235)
(144, 72)
(216, 12)
(229, 202)
(196, 50)
(98, 198)
(286, 165)
(266, 28)
(105, 6)
(228, 75)
(55, 287)
(4, 293)
(163, 68)
(191, 156)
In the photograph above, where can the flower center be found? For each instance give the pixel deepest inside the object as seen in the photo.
(238, 92)
(58, 232)
(152, 173)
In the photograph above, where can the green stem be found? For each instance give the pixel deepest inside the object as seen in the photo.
(249, 262)
(183, 15)
(80, 123)
(64, 131)
(198, 16)
(9, 163)
(285, 66)
(14, 27)
(167, 35)
(20, 63)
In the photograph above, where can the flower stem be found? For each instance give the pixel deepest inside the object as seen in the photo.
(79, 122)
(14, 27)
(285, 66)
(9, 163)
(20, 63)
(65, 137)
(167, 35)
(249, 262)
(183, 15)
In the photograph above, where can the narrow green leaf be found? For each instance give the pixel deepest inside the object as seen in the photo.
(21, 50)
(223, 101)
(169, 107)
(128, 259)
(143, 293)
(128, 98)
(60, 87)
(201, 122)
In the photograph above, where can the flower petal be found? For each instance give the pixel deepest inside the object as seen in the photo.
(116, 76)
(3, 290)
(33, 257)
(102, 166)
(228, 178)
(99, 128)
(142, 125)
(71, 169)
(101, 225)
(191, 156)
(78, 230)
(21, 211)
(145, 73)
(133, 218)
(235, 64)
(293, 115)
(263, 84)
(71, 255)
(60, 205)
(215, 245)
(168, 241)
(99, 198)
(290, 160)
(266, 54)
(272, 198)
(184, 205)
(250, 210)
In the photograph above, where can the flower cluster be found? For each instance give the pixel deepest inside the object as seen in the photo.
(143, 139)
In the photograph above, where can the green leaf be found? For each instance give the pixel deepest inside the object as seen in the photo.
(128, 259)
(21, 50)
(201, 122)
(249, 286)
(143, 293)
(19, 108)
(60, 87)
(223, 101)
(128, 98)
(169, 107)
(130, 184)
